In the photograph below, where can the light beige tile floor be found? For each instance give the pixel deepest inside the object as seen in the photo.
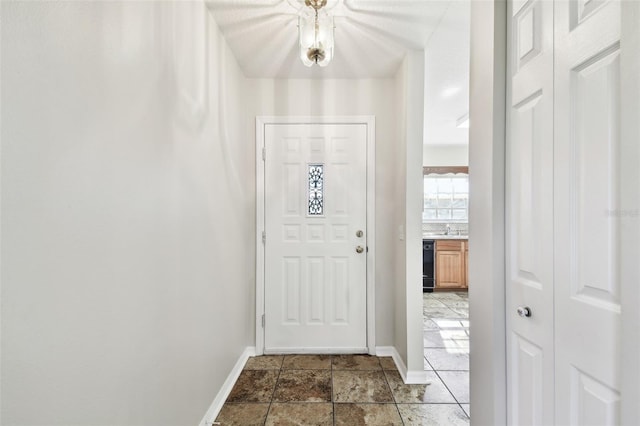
(446, 346)
(361, 389)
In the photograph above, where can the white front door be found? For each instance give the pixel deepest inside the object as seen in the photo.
(587, 233)
(315, 238)
(563, 232)
(529, 274)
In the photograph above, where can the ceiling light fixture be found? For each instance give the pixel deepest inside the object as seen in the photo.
(316, 32)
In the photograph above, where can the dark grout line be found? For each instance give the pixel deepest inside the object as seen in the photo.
(430, 365)
(395, 402)
(446, 386)
(273, 394)
(333, 402)
(426, 403)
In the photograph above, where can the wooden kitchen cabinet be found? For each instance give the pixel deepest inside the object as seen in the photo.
(451, 264)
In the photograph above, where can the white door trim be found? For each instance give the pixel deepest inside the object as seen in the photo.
(629, 268)
(261, 122)
(630, 200)
(487, 208)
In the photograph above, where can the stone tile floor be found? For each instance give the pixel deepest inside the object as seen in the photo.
(361, 389)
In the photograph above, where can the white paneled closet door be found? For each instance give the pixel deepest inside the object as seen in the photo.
(563, 234)
(530, 343)
(587, 235)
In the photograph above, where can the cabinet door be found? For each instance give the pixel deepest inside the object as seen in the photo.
(449, 269)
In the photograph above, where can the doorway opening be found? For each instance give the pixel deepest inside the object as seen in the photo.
(445, 213)
(445, 283)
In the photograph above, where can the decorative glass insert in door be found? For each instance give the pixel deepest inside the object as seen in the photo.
(316, 190)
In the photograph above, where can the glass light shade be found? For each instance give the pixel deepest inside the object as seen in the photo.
(316, 38)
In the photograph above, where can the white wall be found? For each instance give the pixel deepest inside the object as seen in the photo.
(408, 218)
(445, 155)
(399, 219)
(307, 97)
(127, 213)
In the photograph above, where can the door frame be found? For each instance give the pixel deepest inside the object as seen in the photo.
(261, 122)
(629, 214)
(487, 309)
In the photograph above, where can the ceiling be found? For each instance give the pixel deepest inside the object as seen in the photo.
(372, 37)
(447, 78)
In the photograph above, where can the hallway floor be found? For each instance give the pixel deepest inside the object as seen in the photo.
(446, 343)
(361, 389)
(334, 390)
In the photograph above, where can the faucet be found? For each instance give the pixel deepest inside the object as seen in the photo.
(448, 231)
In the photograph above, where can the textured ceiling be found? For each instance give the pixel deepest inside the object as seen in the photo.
(372, 36)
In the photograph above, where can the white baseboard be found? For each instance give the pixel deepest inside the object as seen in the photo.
(409, 377)
(225, 390)
(416, 377)
(315, 351)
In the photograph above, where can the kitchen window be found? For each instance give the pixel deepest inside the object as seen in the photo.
(446, 198)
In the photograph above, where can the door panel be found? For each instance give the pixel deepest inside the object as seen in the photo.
(315, 202)
(587, 238)
(530, 343)
(592, 402)
(527, 357)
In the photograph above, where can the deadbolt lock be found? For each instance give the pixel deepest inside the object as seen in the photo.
(359, 234)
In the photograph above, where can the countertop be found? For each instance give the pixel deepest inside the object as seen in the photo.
(426, 236)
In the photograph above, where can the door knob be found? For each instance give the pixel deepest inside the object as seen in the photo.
(359, 249)
(524, 311)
